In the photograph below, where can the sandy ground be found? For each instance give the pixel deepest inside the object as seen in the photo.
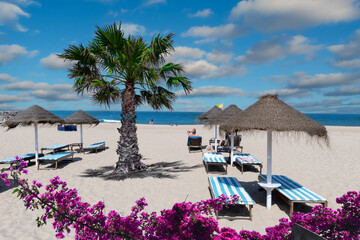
(329, 171)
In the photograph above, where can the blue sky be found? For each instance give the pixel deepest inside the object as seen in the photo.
(306, 51)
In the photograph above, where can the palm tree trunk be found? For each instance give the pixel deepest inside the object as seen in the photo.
(128, 149)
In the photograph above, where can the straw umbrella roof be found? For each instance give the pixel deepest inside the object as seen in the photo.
(34, 114)
(81, 117)
(270, 113)
(209, 114)
(224, 115)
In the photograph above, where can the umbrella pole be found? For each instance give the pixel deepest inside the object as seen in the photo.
(232, 149)
(36, 146)
(81, 138)
(269, 155)
(215, 137)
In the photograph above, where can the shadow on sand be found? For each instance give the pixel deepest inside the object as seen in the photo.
(156, 170)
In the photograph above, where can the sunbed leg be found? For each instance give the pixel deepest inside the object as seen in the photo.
(261, 168)
(250, 209)
(325, 204)
(226, 168)
(291, 208)
(217, 215)
(56, 164)
(38, 166)
(242, 168)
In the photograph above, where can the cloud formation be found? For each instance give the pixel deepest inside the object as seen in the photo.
(302, 80)
(53, 62)
(202, 13)
(14, 51)
(133, 29)
(347, 51)
(348, 64)
(6, 78)
(277, 15)
(221, 31)
(344, 91)
(188, 52)
(286, 93)
(213, 91)
(279, 48)
(10, 14)
(153, 2)
(12, 98)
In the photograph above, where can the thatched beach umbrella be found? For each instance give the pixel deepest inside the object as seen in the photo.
(207, 116)
(272, 114)
(33, 115)
(80, 117)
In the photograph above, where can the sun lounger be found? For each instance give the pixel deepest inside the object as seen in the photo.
(55, 148)
(247, 159)
(95, 146)
(214, 159)
(230, 186)
(194, 142)
(58, 156)
(292, 192)
(26, 157)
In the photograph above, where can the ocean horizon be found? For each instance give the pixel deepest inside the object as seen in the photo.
(189, 118)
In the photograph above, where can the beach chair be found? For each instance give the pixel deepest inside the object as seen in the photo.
(57, 157)
(247, 159)
(94, 147)
(55, 148)
(210, 158)
(25, 157)
(230, 186)
(226, 146)
(194, 142)
(292, 192)
(298, 232)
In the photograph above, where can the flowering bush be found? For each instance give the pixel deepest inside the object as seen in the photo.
(184, 221)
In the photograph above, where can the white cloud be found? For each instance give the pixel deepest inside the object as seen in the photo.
(202, 69)
(302, 80)
(276, 15)
(133, 29)
(228, 30)
(349, 64)
(184, 52)
(344, 91)
(279, 48)
(327, 105)
(6, 78)
(213, 91)
(219, 57)
(12, 98)
(9, 15)
(25, 2)
(347, 51)
(153, 2)
(54, 62)
(202, 13)
(53, 94)
(12, 52)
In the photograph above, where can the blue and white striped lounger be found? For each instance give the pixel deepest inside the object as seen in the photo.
(27, 157)
(95, 146)
(55, 148)
(230, 186)
(292, 192)
(58, 156)
(214, 158)
(248, 159)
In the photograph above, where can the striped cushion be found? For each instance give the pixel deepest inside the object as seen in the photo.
(214, 158)
(95, 145)
(246, 158)
(292, 190)
(56, 156)
(230, 186)
(56, 146)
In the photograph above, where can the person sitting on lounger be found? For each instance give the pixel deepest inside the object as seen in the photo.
(192, 132)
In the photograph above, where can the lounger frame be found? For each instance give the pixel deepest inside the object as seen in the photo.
(207, 163)
(25, 157)
(94, 146)
(242, 163)
(47, 158)
(55, 148)
(250, 205)
(291, 202)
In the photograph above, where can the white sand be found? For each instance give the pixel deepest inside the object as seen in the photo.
(329, 171)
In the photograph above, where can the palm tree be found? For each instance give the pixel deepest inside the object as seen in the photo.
(115, 68)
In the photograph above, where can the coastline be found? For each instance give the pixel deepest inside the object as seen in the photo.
(329, 171)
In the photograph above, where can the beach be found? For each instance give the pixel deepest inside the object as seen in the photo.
(328, 170)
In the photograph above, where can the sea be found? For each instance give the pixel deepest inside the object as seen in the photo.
(189, 118)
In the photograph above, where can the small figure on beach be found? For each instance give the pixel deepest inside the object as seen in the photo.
(192, 132)
(152, 121)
